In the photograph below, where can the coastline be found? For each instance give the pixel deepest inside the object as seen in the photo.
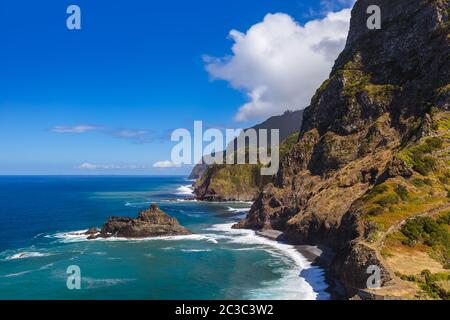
(319, 256)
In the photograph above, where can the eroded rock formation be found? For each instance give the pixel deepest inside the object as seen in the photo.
(378, 124)
(152, 222)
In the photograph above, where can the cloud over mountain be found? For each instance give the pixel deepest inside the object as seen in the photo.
(278, 64)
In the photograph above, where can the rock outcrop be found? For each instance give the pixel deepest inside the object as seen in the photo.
(243, 182)
(198, 171)
(230, 183)
(152, 222)
(378, 125)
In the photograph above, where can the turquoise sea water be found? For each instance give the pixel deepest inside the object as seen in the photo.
(41, 216)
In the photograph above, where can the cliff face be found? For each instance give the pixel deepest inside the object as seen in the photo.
(243, 182)
(198, 171)
(378, 125)
(230, 183)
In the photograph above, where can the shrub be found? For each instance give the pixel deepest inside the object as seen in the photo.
(445, 178)
(379, 189)
(431, 287)
(402, 191)
(419, 156)
(425, 230)
(389, 199)
(430, 232)
(375, 211)
(423, 164)
(418, 182)
(421, 182)
(434, 143)
(429, 283)
(444, 218)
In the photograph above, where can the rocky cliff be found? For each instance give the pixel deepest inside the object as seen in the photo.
(373, 152)
(288, 123)
(241, 182)
(152, 222)
(198, 171)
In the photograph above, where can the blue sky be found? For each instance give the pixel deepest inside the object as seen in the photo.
(110, 94)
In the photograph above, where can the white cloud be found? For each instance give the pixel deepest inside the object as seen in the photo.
(91, 166)
(166, 164)
(75, 129)
(88, 166)
(133, 135)
(130, 133)
(279, 64)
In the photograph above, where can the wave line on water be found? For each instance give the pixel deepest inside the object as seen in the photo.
(186, 190)
(291, 285)
(80, 236)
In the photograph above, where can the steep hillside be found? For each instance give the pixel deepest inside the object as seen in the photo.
(287, 124)
(243, 182)
(374, 152)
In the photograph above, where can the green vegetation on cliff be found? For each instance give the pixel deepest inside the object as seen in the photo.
(288, 144)
(241, 182)
(434, 286)
(433, 233)
(419, 157)
(232, 182)
(374, 153)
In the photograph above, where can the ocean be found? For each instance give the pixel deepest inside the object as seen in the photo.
(41, 218)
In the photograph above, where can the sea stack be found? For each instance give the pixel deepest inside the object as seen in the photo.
(152, 222)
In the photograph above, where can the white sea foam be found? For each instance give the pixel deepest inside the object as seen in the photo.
(24, 255)
(186, 190)
(181, 200)
(293, 269)
(195, 250)
(290, 285)
(80, 236)
(137, 204)
(99, 253)
(17, 274)
(238, 210)
(68, 237)
(241, 211)
(192, 215)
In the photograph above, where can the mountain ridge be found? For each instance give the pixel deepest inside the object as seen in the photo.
(288, 123)
(374, 129)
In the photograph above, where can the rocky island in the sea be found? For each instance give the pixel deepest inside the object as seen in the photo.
(152, 222)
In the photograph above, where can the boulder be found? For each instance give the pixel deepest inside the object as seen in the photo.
(152, 222)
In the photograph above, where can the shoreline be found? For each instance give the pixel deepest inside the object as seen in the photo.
(319, 256)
